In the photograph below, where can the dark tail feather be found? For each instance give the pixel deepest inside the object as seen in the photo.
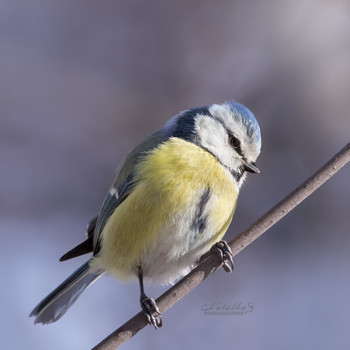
(87, 246)
(54, 306)
(83, 248)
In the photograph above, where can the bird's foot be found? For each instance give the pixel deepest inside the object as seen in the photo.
(223, 251)
(151, 311)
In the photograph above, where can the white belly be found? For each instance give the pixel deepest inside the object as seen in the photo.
(179, 246)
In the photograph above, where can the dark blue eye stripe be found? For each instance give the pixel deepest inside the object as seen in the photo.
(237, 148)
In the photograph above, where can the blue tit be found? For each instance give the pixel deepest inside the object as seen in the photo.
(174, 196)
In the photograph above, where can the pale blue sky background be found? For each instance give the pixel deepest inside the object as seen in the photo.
(82, 82)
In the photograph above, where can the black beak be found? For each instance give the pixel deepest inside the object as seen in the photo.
(251, 167)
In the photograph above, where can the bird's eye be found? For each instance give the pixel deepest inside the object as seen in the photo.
(234, 142)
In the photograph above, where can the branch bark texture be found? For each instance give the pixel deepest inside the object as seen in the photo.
(211, 263)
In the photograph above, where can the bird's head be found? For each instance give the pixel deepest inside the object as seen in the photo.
(228, 131)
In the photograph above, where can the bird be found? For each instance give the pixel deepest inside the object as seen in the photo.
(172, 200)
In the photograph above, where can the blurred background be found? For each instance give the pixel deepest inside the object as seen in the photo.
(82, 82)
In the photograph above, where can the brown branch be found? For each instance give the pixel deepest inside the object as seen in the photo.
(237, 244)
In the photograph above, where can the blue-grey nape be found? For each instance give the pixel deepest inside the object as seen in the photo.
(183, 124)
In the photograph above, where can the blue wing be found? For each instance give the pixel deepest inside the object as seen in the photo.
(113, 199)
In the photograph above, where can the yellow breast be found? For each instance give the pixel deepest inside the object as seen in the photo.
(167, 183)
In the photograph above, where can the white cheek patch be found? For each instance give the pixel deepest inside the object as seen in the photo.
(209, 131)
(214, 138)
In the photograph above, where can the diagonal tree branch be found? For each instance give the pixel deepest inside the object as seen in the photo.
(210, 262)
